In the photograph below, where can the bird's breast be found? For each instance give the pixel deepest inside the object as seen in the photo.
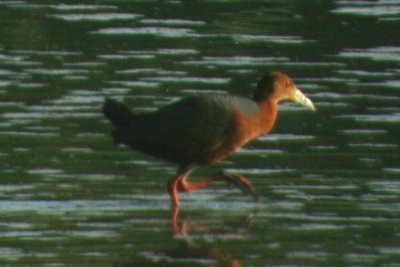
(251, 127)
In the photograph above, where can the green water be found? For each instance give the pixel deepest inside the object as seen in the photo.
(328, 181)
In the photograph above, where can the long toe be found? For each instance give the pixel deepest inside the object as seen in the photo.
(240, 182)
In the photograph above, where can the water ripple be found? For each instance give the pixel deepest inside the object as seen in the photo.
(50, 53)
(382, 53)
(366, 8)
(279, 39)
(135, 84)
(373, 118)
(170, 22)
(285, 137)
(60, 7)
(165, 51)
(237, 61)
(202, 80)
(96, 17)
(48, 115)
(157, 31)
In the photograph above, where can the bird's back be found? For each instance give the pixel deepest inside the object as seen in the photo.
(196, 129)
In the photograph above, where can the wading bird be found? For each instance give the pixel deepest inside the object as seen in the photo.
(202, 130)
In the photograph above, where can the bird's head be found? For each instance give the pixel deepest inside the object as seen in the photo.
(279, 86)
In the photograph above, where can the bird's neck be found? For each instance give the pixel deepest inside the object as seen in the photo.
(268, 114)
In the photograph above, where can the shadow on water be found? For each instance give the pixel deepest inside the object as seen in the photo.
(197, 240)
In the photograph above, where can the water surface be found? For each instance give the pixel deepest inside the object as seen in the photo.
(328, 181)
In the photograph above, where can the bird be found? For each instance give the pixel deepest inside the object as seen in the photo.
(200, 130)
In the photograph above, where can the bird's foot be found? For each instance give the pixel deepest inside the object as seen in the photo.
(239, 181)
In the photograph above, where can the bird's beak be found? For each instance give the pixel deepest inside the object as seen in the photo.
(298, 97)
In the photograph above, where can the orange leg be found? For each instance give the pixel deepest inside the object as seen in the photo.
(180, 183)
(185, 186)
(229, 178)
(173, 190)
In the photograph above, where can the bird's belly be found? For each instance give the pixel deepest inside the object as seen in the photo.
(226, 148)
(240, 135)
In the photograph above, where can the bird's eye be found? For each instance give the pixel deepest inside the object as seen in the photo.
(289, 83)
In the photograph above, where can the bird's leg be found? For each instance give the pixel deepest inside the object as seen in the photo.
(185, 186)
(239, 181)
(180, 183)
(230, 178)
(173, 192)
(175, 183)
(173, 189)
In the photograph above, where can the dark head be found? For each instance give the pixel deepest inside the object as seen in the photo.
(279, 86)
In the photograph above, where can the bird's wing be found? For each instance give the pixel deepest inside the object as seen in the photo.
(191, 129)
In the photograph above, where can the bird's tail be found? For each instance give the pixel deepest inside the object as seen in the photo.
(117, 113)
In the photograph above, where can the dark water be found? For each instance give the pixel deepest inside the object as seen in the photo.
(329, 181)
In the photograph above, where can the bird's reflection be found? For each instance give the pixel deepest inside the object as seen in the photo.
(193, 246)
(182, 229)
